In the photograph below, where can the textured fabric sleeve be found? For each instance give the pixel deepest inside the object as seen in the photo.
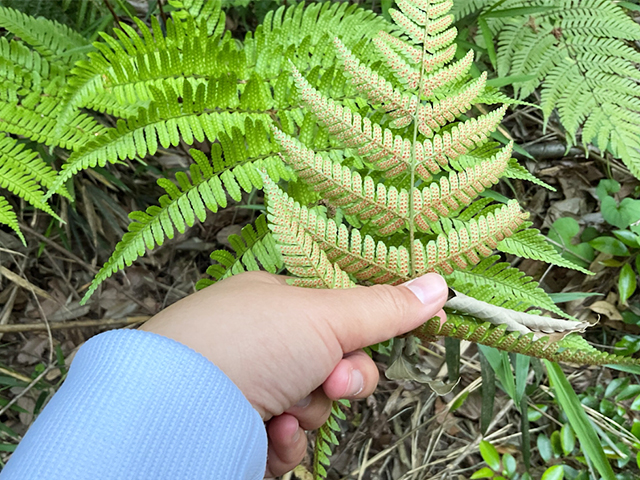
(135, 406)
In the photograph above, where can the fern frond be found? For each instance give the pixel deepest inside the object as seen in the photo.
(49, 38)
(170, 118)
(499, 284)
(530, 243)
(254, 249)
(292, 33)
(38, 123)
(578, 51)
(572, 348)
(14, 178)
(374, 262)
(23, 71)
(125, 71)
(393, 154)
(388, 208)
(466, 244)
(207, 189)
(28, 162)
(326, 439)
(301, 255)
(9, 218)
(364, 258)
(209, 11)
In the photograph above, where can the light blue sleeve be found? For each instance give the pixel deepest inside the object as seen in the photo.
(136, 405)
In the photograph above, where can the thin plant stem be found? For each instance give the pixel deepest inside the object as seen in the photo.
(412, 232)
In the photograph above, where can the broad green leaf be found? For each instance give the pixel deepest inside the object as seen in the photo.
(615, 385)
(607, 187)
(622, 215)
(553, 473)
(544, 447)
(626, 283)
(567, 439)
(569, 402)
(490, 455)
(627, 237)
(607, 408)
(484, 472)
(635, 405)
(509, 464)
(627, 345)
(628, 392)
(635, 428)
(630, 318)
(562, 232)
(534, 415)
(459, 401)
(610, 245)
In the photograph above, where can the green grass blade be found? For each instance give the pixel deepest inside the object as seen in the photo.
(452, 357)
(569, 402)
(488, 393)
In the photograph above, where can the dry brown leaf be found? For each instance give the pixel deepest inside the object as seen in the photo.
(607, 309)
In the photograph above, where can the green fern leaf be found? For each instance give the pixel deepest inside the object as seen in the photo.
(578, 51)
(49, 38)
(38, 123)
(502, 285)
(184, 203)
(19, 171)
(254, 249)
(530, 243)
(326, 438)
(8, 217)
(170, 118)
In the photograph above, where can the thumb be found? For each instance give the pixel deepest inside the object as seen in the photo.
(364, 316)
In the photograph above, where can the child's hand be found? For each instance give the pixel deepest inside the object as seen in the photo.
(292, 350)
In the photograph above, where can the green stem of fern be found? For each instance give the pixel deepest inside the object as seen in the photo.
(412, 232)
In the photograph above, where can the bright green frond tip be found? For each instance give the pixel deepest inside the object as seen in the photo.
(252, 249)
(326, 439)
(8, 217)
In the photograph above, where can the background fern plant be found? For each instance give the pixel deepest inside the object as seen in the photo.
(582, 55)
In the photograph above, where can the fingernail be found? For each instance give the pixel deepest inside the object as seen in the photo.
(296, 436)
(304, 402)
(429, 288)
(356, 383)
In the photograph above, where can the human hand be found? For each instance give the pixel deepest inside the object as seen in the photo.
(291, 350)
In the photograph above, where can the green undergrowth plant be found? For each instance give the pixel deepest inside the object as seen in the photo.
(579, 53)
(35, 62)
